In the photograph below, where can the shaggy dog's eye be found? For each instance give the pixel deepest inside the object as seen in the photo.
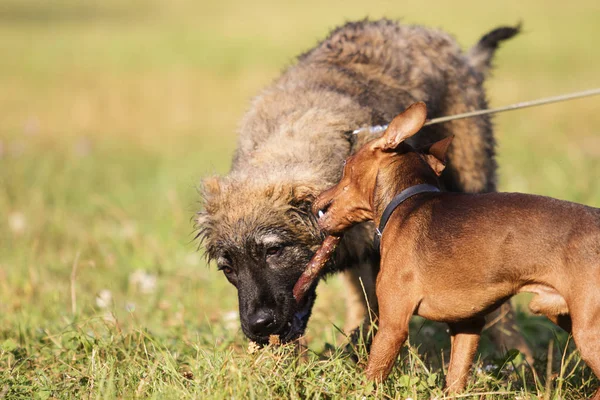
(226, 269)
(224, 264)
(274, 250)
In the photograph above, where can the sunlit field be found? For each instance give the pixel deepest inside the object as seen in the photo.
(110, 114)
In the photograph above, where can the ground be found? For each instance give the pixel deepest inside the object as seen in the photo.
(112, 111)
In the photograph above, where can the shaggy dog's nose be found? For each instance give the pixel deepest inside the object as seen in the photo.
(261, 323)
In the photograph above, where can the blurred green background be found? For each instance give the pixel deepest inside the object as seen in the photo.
(112, 111)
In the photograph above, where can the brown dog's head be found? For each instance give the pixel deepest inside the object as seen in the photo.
(378, 171)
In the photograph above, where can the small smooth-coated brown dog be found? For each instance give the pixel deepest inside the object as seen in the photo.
(455, 257)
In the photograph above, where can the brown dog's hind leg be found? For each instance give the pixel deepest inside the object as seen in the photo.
(465, 339)
(589, 347)
(586, 333)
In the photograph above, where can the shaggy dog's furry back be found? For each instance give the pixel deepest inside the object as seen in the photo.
(294, 138)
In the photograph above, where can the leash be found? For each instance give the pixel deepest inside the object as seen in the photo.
(396, 201)
(516, 106)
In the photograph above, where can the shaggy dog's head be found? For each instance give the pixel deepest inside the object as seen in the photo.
(261, 233)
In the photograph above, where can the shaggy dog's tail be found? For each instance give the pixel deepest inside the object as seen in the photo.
(481, 55)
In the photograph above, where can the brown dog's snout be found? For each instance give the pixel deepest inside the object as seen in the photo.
(320, 209)
(323, 209)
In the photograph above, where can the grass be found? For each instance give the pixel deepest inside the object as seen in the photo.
(111, 112)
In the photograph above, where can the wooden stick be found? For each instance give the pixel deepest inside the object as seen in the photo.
(314, 267)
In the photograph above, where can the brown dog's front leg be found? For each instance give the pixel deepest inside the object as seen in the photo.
(385, 349)
(394, 315)
(465, 339)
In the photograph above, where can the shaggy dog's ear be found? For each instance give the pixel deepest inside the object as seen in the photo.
(302, 197)
(210, 188)
(303, 194)
(435, 154)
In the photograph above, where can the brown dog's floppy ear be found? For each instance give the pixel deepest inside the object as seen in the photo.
(435, 154)
(404, 125)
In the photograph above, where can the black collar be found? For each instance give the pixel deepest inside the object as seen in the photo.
(396, 201)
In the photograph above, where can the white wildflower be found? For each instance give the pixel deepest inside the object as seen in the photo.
(231, 320)
(143, 281)
(17, 222)
(104, 298)
(253, 347)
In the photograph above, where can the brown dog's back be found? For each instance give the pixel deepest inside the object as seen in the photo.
(500, 241)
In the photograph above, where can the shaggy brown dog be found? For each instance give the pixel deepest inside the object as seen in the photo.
(454, 257)
(256, 221)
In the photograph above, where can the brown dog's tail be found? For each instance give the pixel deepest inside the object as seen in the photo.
(481, 55)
